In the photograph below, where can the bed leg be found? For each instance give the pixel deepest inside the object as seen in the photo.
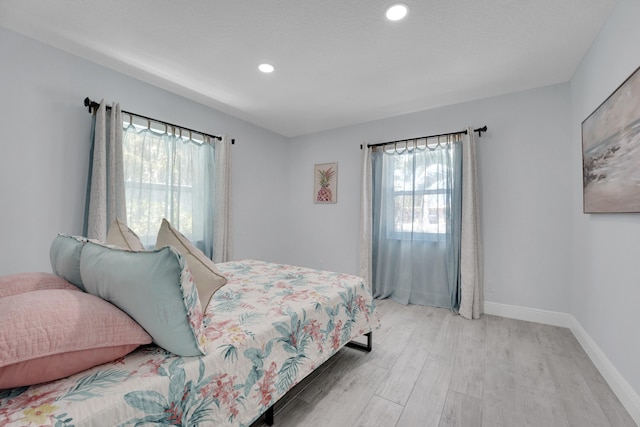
(365, 347)
(268, 416)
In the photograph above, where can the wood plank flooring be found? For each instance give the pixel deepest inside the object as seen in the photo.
(430, 368)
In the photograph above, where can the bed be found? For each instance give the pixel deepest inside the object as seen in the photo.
(268, 328)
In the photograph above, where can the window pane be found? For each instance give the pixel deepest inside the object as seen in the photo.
(159, 179)
(421, 184)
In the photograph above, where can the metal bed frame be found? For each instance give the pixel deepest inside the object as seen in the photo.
(269, 413)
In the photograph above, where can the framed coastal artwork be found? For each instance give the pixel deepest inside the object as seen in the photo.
(325, 183)
(611, 152)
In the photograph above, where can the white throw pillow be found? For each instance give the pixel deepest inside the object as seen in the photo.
(205, 273)
(123, 237)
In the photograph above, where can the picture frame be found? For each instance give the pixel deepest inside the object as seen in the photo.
(325, 183)
(611, 152)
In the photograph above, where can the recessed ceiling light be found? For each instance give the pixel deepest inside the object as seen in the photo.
(397, 11)
(266, 68)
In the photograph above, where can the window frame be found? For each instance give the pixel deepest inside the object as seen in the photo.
(392, 229)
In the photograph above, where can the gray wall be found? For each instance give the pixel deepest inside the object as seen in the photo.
(605, 281)
(45, 149)
(524, 184)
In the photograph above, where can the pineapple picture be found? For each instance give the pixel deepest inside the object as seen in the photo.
(325, 183)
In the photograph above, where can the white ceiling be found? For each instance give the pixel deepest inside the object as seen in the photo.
(338, 62)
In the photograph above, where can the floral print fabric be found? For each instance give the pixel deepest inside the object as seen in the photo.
(267, 329)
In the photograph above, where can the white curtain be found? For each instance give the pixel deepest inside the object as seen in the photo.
(105, 189)
(471, 284)
(222, 205)
(366, 216)
(168, 175)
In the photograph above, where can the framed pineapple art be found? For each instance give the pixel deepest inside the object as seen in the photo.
(325, 183)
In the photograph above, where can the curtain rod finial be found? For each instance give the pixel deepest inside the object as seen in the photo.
(91, 104)
(480, 130)
(87, 103)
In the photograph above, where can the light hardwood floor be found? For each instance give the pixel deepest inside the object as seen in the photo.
(429, 368)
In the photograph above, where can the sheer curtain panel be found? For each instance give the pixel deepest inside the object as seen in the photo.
(169, 176)
(416, 204)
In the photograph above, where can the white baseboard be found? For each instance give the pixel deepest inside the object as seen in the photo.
(546, 317)
(623, 390)
(627, 395)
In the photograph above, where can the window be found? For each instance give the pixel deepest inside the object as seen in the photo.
(167, 176)
(421, 193)
(415, 228)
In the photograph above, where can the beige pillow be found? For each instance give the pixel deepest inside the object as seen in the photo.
(123, 237)
(205, 273)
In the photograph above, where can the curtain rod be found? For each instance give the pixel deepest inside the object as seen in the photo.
(479, 130)
(94, 105)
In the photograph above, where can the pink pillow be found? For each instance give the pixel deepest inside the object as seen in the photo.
(54, 333)
(26, 282)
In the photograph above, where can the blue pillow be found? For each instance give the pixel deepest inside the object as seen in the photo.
(65, 258)
(155, 288)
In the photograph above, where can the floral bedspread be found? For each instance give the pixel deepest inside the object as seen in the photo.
(267, 329)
